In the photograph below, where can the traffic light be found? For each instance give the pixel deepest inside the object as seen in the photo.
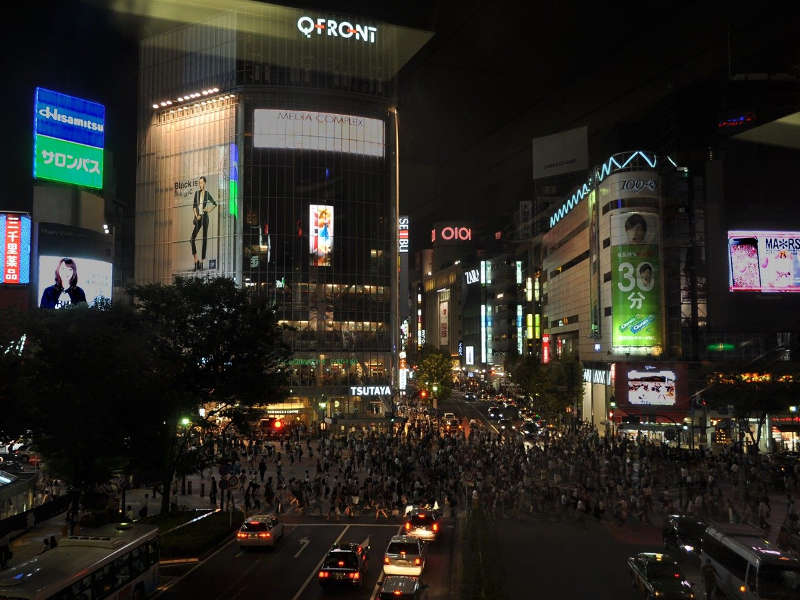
(277, 424)
(611, 414)
(423, 394)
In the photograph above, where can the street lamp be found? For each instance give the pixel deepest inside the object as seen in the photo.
(185, 421)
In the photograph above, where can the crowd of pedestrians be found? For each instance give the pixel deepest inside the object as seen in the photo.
(564, 473)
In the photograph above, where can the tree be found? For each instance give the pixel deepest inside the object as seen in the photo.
(552, 387)
(215, 344)
(81, 375)
(435, 370)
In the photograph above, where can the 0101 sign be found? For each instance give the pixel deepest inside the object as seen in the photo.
(452, 233)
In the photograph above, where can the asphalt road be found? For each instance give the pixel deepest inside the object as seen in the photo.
(290, 571)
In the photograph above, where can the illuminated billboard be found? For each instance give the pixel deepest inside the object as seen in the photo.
(635, 280)
(68, 139)
(764, 261)
(652, 388)
(74, 266)
(15, 248)
(308, 130)
(443, 234)
(320, 235)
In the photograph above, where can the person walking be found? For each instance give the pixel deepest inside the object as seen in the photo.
(262, 469)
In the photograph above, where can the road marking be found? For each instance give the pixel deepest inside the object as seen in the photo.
(319, 564)
(303, 543)
(192, 570)
(378, 583)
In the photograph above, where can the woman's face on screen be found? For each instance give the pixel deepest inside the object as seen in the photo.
(66, 272)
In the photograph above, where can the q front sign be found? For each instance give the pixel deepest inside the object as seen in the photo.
(309, 26)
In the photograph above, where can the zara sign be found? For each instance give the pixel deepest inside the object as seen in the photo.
(472, 276)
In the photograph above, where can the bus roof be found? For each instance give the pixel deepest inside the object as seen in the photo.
(72, 559)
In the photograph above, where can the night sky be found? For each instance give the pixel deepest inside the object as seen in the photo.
(495, 75)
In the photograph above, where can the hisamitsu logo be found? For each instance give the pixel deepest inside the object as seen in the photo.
(365, 33)
(52, 113)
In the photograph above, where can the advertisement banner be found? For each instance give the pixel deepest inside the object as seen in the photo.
(652, 388)
(15, 248)
(635, 280)
(68, 139)
(198, 192)
(560, 153)
(68, 162)
(308, 130)
(764, 261)
(444, 332)
(320, 235)
(75, 266)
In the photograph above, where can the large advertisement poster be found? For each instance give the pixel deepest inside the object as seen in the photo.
(308, 130)
(68, 139)
(652, 388)
(199, 197)
(560, 153)
(764, 261)
(320, 234)
(75, 266)
(444, 332)
(635, 280)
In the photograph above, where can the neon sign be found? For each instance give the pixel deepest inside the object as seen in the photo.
(365, 33)
(402, 235)
(737, 121)
(451, 233)
(615, 163)
(15, 251)
(472, 276)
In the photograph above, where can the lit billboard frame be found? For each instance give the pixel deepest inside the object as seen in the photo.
(15, 248)
(68, 139)
(320, 235)
(764, 261)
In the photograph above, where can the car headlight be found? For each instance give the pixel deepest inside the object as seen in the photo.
(688, 548)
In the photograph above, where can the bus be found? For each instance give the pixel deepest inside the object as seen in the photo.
(113, 562)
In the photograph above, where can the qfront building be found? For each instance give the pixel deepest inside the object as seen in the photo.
(268, 154)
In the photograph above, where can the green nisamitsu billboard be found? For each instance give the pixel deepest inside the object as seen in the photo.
(636, 281)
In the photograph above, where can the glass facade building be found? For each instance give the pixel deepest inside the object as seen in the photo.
(268, 154)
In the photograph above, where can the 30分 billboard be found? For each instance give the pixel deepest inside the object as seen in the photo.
(320, 235)
(764, 261)
(635, 280)
(69, 136)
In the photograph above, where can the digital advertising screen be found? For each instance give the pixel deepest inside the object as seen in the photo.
(308, 130)
(764, 261)
(15, 248)
(635, 280)
(68, 139)
(642, 387)
(320, 235)
(75, 266)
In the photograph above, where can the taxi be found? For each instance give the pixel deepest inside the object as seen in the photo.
(260, 531)
(401, 587)
(658, 576)
(345, 564)
(422, 523)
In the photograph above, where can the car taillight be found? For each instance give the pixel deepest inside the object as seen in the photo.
(386, 560)
(418, 561)
(408, 525)
(241, 535)
(436, 527)
(355, 575)
(323, 574)
(264, 534)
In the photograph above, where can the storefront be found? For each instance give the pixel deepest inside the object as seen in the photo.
(785, 430)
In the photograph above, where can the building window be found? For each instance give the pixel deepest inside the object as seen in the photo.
(606, 242)
(607, 276)
(607, 311)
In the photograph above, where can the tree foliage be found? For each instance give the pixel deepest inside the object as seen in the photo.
(435, 368)
(552, 387)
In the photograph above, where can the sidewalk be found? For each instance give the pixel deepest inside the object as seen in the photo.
(27, 544)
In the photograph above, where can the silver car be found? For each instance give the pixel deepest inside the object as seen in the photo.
(260, 531)
(404, 556)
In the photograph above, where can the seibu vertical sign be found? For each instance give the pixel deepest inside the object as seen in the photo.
(402, 235)
(15, 252)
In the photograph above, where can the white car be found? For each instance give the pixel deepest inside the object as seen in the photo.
(404, 556)
(260, 531)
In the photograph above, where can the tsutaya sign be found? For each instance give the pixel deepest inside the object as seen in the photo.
(308, 25)
(370, 390)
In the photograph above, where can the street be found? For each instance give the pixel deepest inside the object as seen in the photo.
(290, 571)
